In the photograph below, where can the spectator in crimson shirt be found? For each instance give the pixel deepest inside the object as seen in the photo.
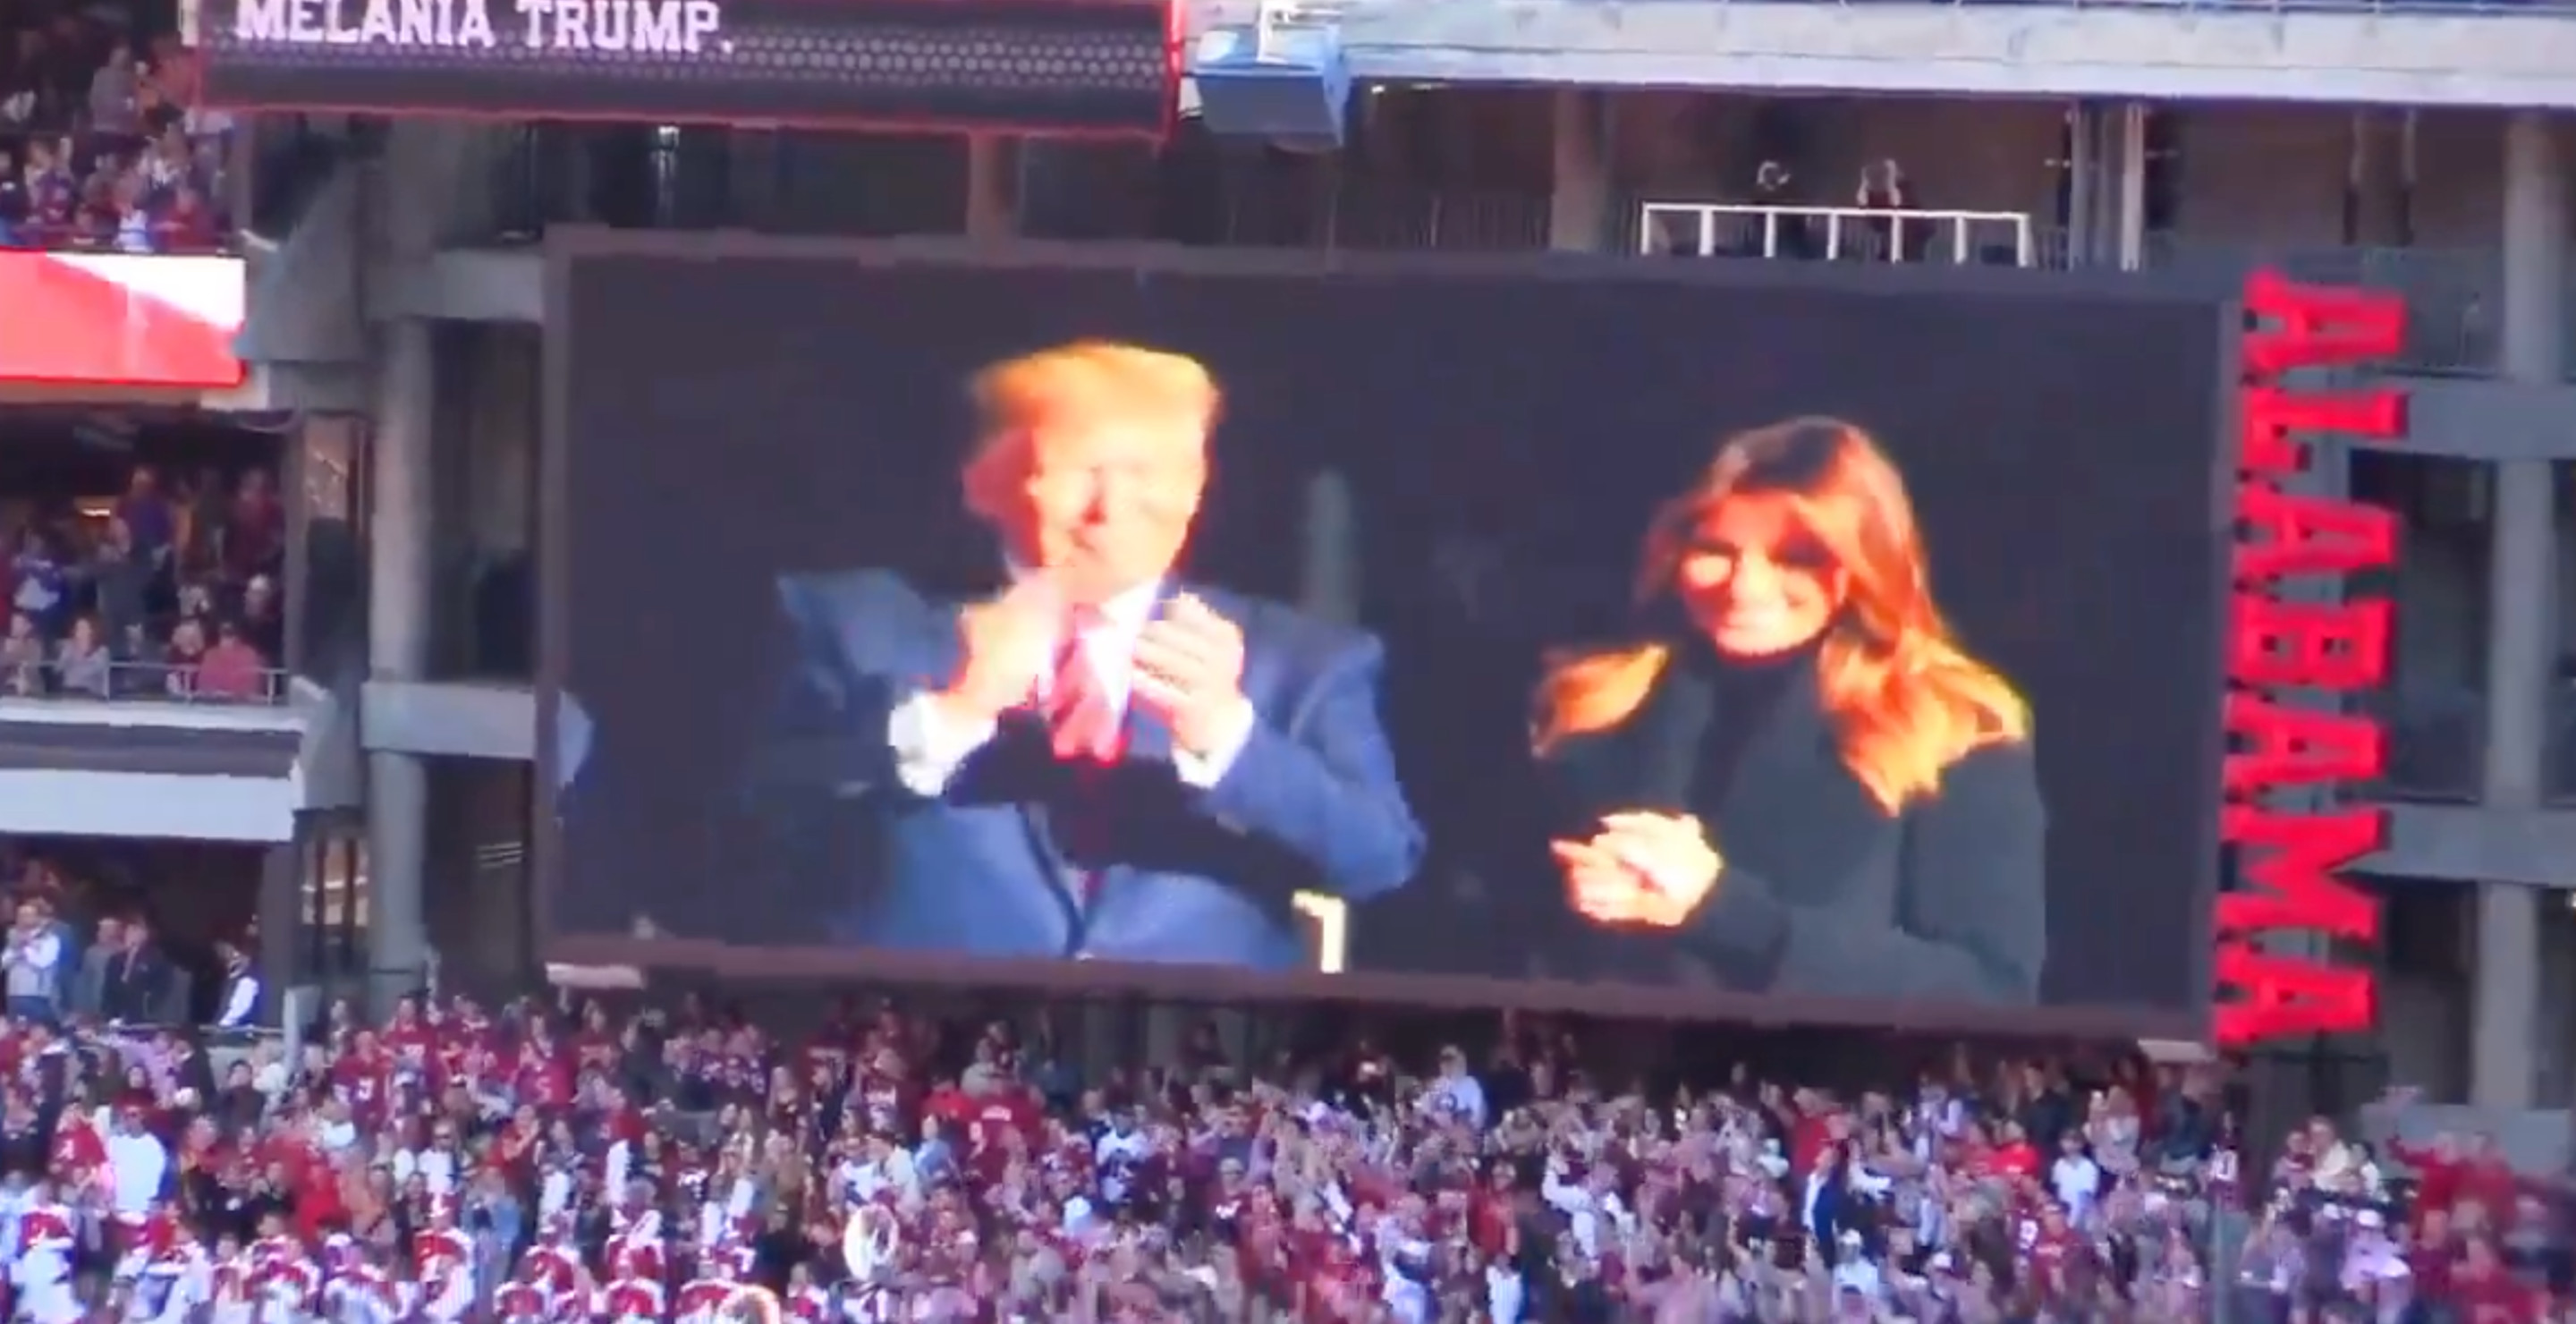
(2449, 1172)
(188, 225)
(949, 1102)
(362, 1078)
(2485, 1291)
(2013, 1157)
(2487, 1177)
(1815, 1126)
(2431, 1253)
(232, 669)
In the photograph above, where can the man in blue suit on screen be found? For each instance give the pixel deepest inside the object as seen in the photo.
(1096, 760)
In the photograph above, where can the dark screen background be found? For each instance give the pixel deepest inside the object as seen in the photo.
(1502, 436)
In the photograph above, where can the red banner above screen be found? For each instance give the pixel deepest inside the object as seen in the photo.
(120, 319)
(1060, 67)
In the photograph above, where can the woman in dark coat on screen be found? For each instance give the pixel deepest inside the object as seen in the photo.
(1793, 779)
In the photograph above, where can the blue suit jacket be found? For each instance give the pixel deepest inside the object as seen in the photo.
(1171, 872)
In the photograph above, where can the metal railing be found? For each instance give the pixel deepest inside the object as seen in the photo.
(141, 682)
(770, 183)
(1877, 234)
(2454, 295)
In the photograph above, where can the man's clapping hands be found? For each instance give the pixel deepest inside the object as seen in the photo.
(1189, 672)
(1006, 646)
(1187, 663)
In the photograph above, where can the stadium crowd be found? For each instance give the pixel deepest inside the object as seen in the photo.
(552, 1161)
(169, 592)
(99, 146)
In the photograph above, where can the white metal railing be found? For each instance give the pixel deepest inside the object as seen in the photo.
(1878, 234)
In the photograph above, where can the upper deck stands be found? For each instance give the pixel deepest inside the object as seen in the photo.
(99, 149)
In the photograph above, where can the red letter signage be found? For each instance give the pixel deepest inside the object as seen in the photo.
(2288, 862)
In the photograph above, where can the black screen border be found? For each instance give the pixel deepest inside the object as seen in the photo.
(250, 77)
(568, 246)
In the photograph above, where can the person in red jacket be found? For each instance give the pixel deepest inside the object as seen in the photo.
(2484, 1291)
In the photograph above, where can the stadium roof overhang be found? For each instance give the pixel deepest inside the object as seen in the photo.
(2421, 54)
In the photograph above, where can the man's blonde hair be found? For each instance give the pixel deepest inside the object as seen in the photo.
(1090, 381)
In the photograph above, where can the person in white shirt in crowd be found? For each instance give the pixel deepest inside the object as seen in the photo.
(2111, 1128)
(438, 1165)
(731, 1196)
(1080, 1219)
(1938, 1115)
(167, 1276)
(877, 1170)
(2075, 1177)
(443, 1260)
(1404, 1260)
(138, 1164)
(269, 1072)
(238, 1006)
(32, 965)
(1854, 1271)
(230, 1298)
(46, 1237)
(555, 1190)
(1117, 1154)
(618, 1164)
(2374, 1265)
(870, 1238)
(1458, 1090)
(17, 1197)
(335, 1131)
(134, 225)
(365, 1293)
(1593, 1210)
(636, 1250)
(1504, 1293)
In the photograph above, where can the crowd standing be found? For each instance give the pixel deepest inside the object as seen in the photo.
(171, 592)
(100, 148)
(547, 1161)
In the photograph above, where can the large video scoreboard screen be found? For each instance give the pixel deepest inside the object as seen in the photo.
(1759, 638)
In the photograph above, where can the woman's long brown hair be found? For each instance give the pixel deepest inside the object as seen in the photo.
(1906, 702)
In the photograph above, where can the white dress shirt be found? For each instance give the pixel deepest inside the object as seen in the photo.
(930, 746)
(1461, 1092)
(31, 961)
(240, 1002)
(1132, 1146)
(136, 1164)
(2077, 1180)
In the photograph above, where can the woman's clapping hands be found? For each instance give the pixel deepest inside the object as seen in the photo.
(1641, 868)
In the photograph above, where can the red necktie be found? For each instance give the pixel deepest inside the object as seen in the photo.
(1082, 718)
(1083, 726)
